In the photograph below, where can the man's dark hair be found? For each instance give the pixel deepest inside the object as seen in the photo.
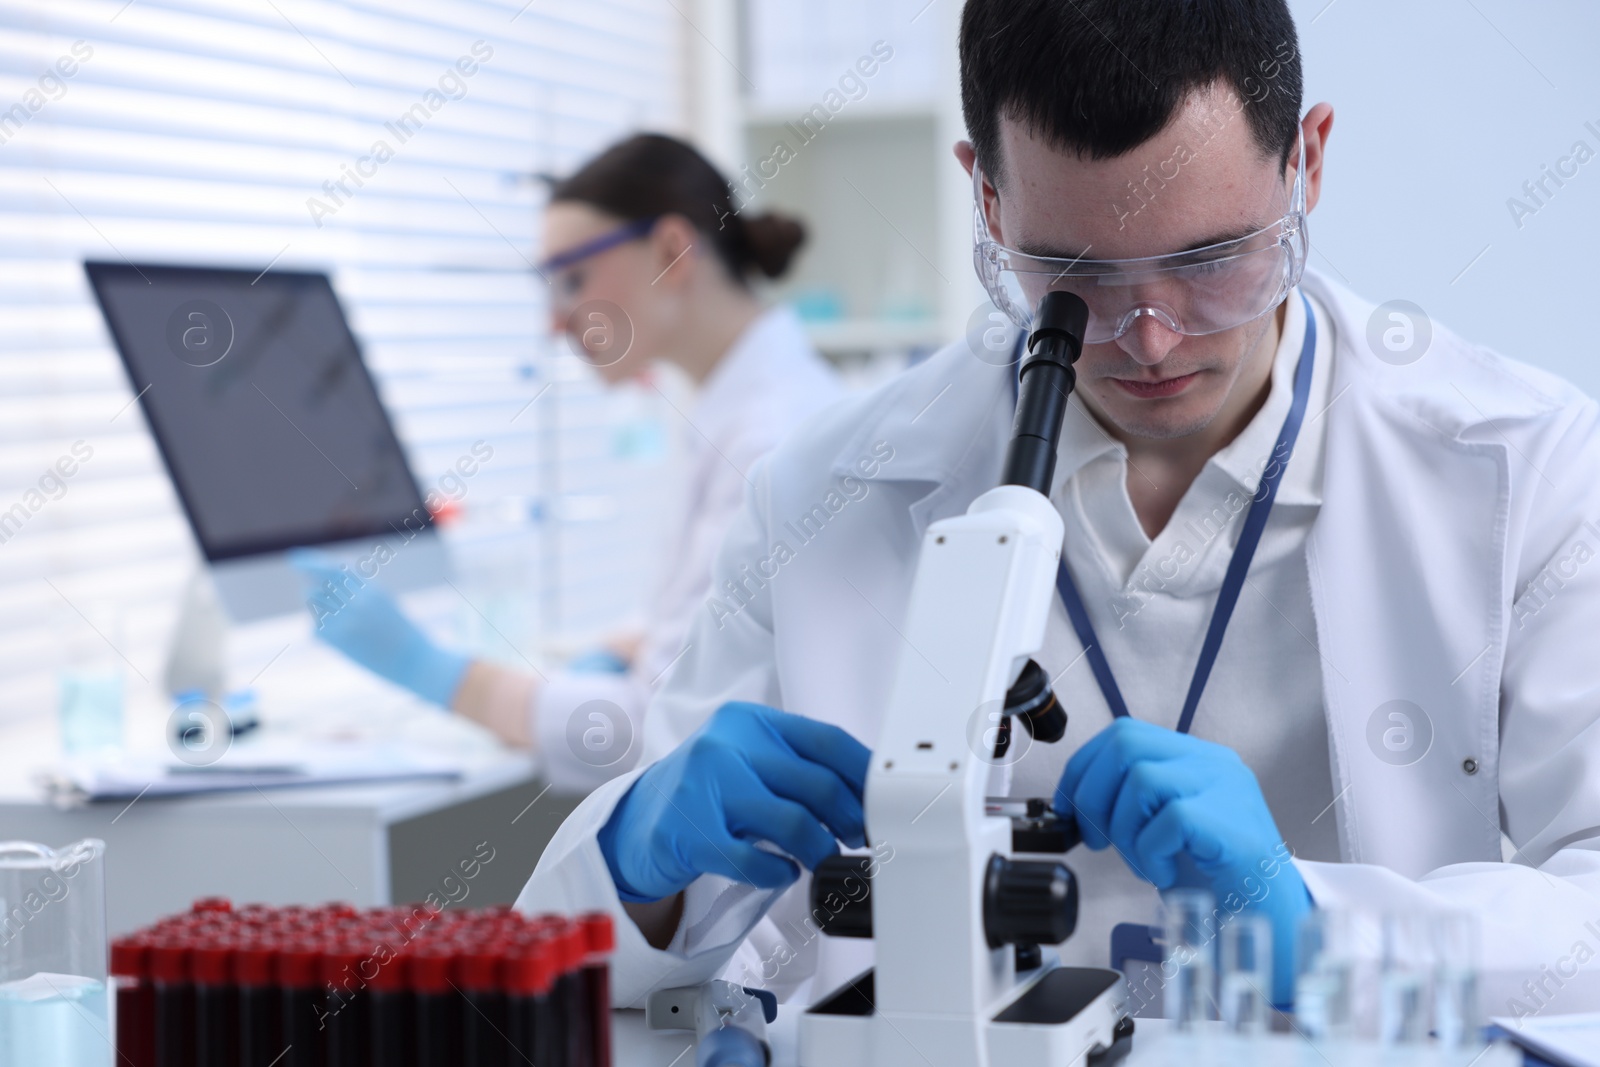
(1101, 77)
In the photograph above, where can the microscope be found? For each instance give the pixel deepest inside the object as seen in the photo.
(964, 975)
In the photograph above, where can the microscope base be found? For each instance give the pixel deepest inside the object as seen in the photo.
(1064, 1017)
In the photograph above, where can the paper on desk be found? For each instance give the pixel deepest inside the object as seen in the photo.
(1564, 1040)
(260, 764)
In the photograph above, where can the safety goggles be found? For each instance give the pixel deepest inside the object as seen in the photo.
(558, 268)
(1195, 292)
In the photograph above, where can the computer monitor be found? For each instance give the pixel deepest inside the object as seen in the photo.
(270, 427)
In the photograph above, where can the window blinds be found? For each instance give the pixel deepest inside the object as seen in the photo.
(390, 143)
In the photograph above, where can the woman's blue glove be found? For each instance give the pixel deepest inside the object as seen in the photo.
(1182, 811)
(598, 661)
(751, 773)
(364, 622)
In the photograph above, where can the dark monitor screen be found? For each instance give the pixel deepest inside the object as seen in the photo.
(259, 401)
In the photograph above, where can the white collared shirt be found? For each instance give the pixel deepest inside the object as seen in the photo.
(1151, 601)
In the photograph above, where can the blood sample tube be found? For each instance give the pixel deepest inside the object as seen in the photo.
(136, 1004)
(255, 974)
(435, 1004)
(525, 971)
(389, 1041)
(298, 968)
(550, 1021)
(343, 1026)
(174, 997)
(602, 941)
(211, 967)
(571, 997)
(483, 1014)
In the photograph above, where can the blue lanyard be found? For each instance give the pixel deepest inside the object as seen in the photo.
(1238, 567)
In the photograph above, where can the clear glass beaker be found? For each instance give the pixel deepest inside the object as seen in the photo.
(53, 1006)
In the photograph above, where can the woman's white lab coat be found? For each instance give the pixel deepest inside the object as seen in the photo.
(1455, 564)
(768, 383)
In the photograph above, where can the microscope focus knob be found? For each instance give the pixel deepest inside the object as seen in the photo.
(1032, 902)
(841, 901)
(1031, 700)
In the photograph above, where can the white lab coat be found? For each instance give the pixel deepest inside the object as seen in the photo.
(769, 382)
(1452, 565)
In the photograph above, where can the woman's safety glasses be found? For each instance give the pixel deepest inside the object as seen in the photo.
(558, 269)
(1195, 292)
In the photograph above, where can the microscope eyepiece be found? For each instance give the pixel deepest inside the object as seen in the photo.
(1061, 314)
(1045, 380)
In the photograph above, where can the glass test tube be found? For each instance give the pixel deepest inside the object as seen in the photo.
(1324, 971)
(1403, 983)
(1455, 979)
(1190, 925)
(1246, 973)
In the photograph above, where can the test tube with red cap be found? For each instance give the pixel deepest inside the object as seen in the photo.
(435, 1004)
(298, 971)
(483, 1016)
(174, 1000)
(526, 973)
(601, 941)
(211, 969)
(344, 1028)
(569, 994)
(389, 1041)
(136, 1003)
(255, 977)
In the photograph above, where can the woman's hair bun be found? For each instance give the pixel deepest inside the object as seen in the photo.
(773, 241)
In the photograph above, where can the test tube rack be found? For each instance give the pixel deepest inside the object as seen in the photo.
(334, 986)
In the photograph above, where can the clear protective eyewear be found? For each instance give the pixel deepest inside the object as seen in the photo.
(1196, 292)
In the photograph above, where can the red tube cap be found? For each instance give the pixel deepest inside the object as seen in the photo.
(478, 969)
(211, 964)
(255, 965)
(574, 947)
(601, 934)
(394, 972)
(130, 957)
(299, 963)
(346, 963)
(526, 971)
(430, 966)
(169, 961)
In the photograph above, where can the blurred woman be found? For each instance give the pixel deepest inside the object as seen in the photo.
(644, 240)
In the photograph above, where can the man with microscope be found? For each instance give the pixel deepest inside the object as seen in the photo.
(1308, 635)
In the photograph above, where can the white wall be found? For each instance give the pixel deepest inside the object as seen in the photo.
(1442, 111)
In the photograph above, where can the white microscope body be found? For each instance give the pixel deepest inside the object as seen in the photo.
(949, 907)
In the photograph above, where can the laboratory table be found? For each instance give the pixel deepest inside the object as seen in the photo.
(472, 841)
(1155, 1044)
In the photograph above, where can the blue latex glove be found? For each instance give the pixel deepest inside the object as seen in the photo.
(598, 661)
(751, 773)
(1182, 811)
(731, 1046)
(364, 622)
